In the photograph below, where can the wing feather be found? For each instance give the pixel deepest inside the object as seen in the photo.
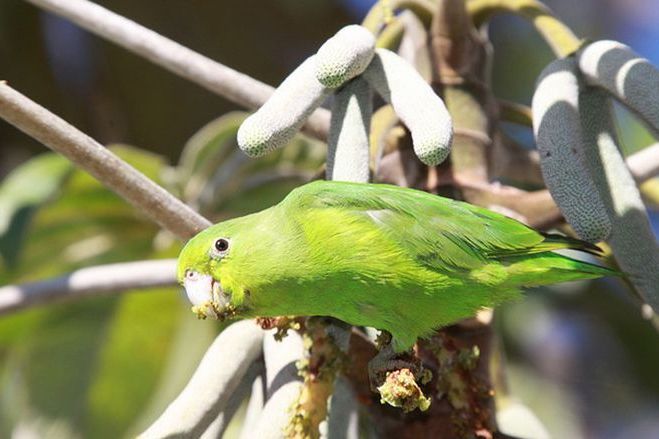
(443, 234)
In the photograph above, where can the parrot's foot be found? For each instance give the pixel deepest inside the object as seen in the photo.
(281, 325)
(384, 362)
(396, 380)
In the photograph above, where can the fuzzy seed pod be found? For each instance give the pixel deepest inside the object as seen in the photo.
(280, 118)
(414, 101)
(348, 147)
(237, 350)
(344, 56)
(559, 139)
(632, 240)
(630, 78)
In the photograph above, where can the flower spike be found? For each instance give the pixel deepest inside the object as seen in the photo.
(625, 74)
(559, 138)
(415, 102)
(344, 56)
(280, 118)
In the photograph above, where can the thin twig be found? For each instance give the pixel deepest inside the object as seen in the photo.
(213, 76)
(219, 374)
(559, 37)
(380, 12)
(413, 46)
(515, 112)
(391, 35)
(89, 281)
(55, 133)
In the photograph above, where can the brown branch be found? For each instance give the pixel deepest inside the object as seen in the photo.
(380, 12)
(87, 282)
(515, 112)
(55, 133)
(213, 76)
(512, 161)
(559, 37)
(460, 58)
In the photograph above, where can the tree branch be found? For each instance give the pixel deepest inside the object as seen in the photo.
(219, 374)
(560, 38)
(383, 11)
(516, 113)
(89, 281)
(213, 76)
(55, 133)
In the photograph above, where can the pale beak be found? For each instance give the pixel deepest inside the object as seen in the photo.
(206, 295)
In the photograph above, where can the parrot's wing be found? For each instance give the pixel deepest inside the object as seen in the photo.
(441, 233)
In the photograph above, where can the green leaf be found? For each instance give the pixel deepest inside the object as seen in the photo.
(212, 168)
(130, 362)
(283, 169)
(26, 188)
(87, 224)
(192, 339)
(206, 149)
(58, 358)
(61, 351)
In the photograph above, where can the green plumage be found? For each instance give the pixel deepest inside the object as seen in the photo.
(376, 255)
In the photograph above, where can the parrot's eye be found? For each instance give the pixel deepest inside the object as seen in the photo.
(221, 246)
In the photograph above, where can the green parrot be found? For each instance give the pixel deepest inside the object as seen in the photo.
(393, 258)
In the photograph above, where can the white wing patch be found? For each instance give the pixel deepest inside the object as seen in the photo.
(378, 216)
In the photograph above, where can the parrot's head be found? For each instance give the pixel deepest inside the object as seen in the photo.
(207, 266)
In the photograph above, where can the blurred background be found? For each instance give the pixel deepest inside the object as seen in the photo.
(580, 360)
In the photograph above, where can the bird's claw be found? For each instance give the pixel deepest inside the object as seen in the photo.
(396, 380)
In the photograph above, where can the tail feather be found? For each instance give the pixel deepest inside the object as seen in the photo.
(548, 268)
(550, 243)
(566, 242)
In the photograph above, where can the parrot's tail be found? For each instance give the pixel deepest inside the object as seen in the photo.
(549, 268)
(555, 242)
